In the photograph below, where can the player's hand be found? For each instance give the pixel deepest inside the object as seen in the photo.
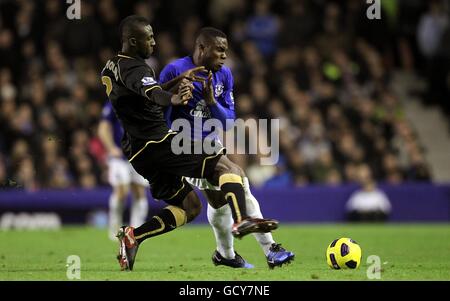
(191, 74)
(185, 90)
(178, 100)
(184, 93)
(185, 98)
(208, 91)
(185, 85)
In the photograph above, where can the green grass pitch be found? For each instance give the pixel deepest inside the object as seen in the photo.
(407, 252)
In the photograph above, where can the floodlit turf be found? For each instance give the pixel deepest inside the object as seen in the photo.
(407, 252)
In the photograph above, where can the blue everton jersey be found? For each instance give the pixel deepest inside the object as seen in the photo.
(109, 115)
(197, 111)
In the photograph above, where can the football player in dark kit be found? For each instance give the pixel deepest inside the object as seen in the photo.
(138, 101)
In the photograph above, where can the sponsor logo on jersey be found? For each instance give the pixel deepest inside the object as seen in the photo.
(201, 110)
(148, 81)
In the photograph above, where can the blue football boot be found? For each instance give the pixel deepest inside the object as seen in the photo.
(237, 262)
(278, 256)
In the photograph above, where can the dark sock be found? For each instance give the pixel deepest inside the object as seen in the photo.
(168, 219)
(231, 186)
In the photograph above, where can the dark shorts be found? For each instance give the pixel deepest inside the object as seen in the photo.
(165, 171)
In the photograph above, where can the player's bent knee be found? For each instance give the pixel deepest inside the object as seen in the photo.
(225, 166)
(193, 213)
(192, 206)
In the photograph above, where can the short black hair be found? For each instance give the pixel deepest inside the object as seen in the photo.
(210, 33)
(130, 24)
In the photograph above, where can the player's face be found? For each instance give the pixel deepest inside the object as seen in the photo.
(215, 54)
(145, 42)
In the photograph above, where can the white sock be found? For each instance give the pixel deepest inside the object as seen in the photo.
(265, 240)
(139, 210)
(115, 215)
(221, 221)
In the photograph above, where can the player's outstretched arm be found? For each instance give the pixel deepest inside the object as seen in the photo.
(191, 75)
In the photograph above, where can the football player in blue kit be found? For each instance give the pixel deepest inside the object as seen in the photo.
(213, 99)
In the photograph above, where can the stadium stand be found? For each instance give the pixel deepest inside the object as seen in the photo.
(330, 84)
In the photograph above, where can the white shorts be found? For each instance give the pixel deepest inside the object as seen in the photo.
(122, 173)
(202, 184)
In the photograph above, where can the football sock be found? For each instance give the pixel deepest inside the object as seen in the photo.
(221, 221)
(168, 219)
(231, 186)
(265, 240)
(115, 214)
(139, 209)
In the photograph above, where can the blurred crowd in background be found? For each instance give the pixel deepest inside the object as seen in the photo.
(321, 67)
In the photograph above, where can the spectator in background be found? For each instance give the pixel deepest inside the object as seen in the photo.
(431, 28)
(368, 203)
(82, 37)
(3, 178)
(263, 27)
(314, 143)
(320, 67)
(25, 174)
(432, 32)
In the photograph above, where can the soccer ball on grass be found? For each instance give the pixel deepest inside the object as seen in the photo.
(343, 253)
